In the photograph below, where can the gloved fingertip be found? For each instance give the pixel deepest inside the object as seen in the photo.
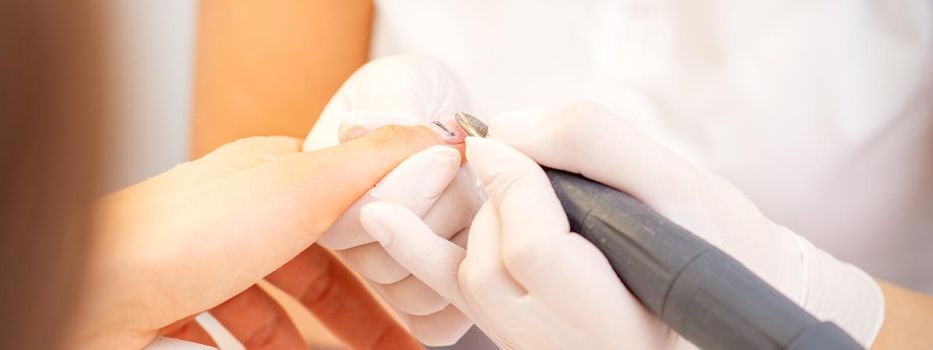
(480, 152)
(352, 132)
(374, 218)
(478, 147)
(490, 157)
(422, 178)
(441, 169)
(445, 154)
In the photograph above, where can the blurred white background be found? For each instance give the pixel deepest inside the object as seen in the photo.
(154, 60)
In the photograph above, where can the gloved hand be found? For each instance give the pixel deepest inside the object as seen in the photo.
(404, 90)
(530, 283)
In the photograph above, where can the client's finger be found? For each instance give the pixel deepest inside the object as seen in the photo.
(189, 330)
(372, 262)
(443, 328)
(416, 184)
(236, 155)
(412, 296)
(302, 193)
(331, 292)
(258, 322)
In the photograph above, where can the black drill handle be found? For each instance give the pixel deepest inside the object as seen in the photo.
(698, 290)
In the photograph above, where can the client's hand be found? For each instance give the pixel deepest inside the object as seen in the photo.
(199, 237)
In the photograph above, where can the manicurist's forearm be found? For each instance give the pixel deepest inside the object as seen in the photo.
(908, 317)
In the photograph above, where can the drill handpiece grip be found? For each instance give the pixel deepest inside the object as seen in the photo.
(698, 290)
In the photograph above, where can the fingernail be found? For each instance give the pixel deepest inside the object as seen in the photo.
(448, 129)
(361, 122)
(372, 223)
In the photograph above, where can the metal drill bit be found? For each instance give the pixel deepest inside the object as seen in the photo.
(441, 125)
(472, 125)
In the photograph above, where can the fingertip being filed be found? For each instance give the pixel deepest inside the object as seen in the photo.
(404, 138)
(449, 130)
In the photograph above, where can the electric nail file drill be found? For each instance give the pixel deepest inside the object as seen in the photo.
(698, 290)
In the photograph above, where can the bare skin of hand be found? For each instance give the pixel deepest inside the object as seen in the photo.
(200, 236)
(907, 319)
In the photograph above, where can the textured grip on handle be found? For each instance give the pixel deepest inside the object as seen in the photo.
(698, 290)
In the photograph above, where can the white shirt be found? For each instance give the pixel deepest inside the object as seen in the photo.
(821, 111)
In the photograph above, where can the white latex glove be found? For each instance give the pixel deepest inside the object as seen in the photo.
(403, 90)
(532, 284)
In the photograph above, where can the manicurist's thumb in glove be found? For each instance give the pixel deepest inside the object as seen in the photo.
(530, 283)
